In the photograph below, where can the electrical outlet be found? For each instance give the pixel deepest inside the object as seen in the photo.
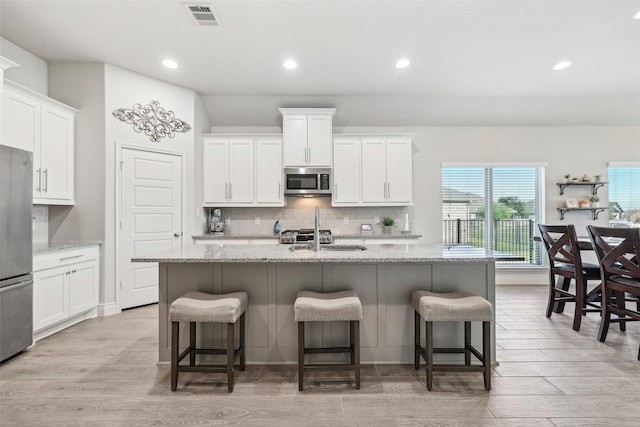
(376, 220)
(345, 220)
(257, 220)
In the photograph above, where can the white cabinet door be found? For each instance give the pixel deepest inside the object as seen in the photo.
(20, 121)
(294, 134)
(399, 171)
(346, 171)
(240, 171)
(319, 140)
(83, 287)
(269, 172)
(215, 169)
(374, 170)
(50, 297)
(56, 154)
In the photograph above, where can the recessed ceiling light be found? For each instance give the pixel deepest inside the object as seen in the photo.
(170, 63)
(637, 15)
(403, 63)
(290, 64)
(562, 65)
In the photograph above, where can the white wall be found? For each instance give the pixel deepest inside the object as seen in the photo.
(123, 89)
(31, 73)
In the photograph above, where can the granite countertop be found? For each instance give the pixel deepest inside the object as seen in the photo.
(241, 236)
(379, 253)
(39, 248)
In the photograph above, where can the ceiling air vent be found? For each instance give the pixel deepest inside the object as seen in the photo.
(202, 15)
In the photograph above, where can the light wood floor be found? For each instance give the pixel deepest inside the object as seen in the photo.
(103, 372)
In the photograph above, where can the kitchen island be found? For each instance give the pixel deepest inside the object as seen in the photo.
(383, 276)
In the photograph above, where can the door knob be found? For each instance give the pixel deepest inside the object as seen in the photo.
(177, 234)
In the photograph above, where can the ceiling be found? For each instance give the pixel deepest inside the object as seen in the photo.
(458, 49)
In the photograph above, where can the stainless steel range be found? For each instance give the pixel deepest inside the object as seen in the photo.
(305, 235)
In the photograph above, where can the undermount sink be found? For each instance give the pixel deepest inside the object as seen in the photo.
(331, 247)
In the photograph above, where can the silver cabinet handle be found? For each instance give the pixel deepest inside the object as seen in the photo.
(71, 257)
(39, 172)
(226, 191)
(279, 190)
(388, 190)
(73, 271)
(46, 180)
(230, 191)
(67, 273)
(309, 161)
(385, 191)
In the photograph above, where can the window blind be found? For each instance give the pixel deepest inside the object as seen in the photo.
(624, 191)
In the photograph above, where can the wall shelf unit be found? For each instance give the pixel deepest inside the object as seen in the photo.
(595, 211)
(594, 185)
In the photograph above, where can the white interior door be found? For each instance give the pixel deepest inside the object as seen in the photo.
(151, 219)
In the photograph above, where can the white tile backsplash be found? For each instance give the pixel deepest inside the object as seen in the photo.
(40, 220)
(299, 213)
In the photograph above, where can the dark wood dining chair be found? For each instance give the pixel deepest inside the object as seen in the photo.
(618, 252)
(565, 263)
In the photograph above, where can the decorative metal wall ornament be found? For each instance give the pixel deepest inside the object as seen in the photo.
(153, 120)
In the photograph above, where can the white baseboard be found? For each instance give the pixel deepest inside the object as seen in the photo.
(108, 309)
(522, 277)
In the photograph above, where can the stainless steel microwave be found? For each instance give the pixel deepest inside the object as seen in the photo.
(307, 182)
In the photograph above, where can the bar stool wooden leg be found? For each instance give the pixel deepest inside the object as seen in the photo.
(300, 355)
(486, 354)
(356, 337)
(351, 343)
(175, 339)
(242, 342)
(467, 343)
(192, 343)
(416, 348)
(230, 356)
(429, 361)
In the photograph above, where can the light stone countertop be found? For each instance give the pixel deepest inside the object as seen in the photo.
(44, 247)
(242, 236)
(380, 253)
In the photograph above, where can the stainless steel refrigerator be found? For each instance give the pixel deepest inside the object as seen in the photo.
(16, 254)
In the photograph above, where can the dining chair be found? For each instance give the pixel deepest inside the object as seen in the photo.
(565, 263)
(618, 252)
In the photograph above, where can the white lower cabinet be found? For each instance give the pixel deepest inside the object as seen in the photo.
(65, 289)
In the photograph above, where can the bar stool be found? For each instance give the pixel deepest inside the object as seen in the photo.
(453, 306)
(200, 307)
(330, 306)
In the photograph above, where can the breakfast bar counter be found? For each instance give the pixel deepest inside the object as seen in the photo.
(382, 275)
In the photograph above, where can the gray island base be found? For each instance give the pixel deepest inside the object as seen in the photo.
(383, 277)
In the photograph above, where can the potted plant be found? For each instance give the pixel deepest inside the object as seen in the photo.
(387, 222)
(595, 201)
(597, 178)
(584, 203)
(566, 178)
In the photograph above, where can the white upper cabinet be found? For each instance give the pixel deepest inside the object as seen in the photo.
(33, 122)
(269, 189)
(242, 170)
(372, 170)
(346, 171)
(227, 171)
(307, 136)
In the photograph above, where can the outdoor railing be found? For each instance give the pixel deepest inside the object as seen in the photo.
(512, 236)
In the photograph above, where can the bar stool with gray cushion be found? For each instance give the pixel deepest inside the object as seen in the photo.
(453, 306)
(331, 306)
(200, 307)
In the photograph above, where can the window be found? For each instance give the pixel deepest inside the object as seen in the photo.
(496, 208)
(624, 195)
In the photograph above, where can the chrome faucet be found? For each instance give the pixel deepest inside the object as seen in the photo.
(316, 231)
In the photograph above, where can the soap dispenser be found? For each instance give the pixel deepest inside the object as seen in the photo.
(276, 227)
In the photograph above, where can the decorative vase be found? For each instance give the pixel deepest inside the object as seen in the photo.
(276, 227)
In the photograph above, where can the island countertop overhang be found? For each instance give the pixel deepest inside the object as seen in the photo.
(392, 253)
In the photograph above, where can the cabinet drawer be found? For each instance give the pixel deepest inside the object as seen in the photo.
(64, 257)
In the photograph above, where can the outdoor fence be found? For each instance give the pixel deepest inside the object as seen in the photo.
(512, 236)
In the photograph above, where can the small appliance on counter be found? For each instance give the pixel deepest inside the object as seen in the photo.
(216, 221)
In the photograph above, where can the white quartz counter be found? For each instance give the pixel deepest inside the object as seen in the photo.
(381, 253)
(44, 247)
